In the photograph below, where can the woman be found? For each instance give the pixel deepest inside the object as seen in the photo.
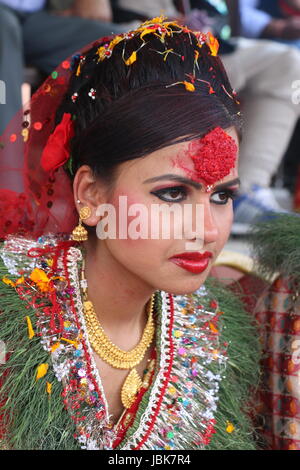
(125, 346)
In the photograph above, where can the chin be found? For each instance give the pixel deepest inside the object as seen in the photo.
(184, 287)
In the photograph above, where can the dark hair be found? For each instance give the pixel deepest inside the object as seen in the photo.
(136, 111)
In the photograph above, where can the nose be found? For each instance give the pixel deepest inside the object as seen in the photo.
(203, 227)
(211, 231)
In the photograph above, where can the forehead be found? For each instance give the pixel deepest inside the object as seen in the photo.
(213, 156)
(174, 159)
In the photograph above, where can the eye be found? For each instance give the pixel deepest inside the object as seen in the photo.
(224, 196)
(173, 192)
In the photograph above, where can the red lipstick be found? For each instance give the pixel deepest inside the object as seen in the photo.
(192, 261)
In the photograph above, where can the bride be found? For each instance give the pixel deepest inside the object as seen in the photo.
(131, 166)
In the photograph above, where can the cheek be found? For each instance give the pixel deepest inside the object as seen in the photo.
(135, 226)
(223, 220)
(124, 203)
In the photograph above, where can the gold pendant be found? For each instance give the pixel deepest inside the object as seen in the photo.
(130, 388)
(79, 234)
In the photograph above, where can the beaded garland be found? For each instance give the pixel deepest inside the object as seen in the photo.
(177, 409)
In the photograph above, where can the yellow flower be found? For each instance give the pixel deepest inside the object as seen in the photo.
(41, 279)
(146, 31)
(215, 353)
(116, 41)
(42, 370)
(30, 329)
(55, 346)
(101, 54)
(230, 428)
(213, 44)
(189, 86)
(213, 328)
(21, 280)
(48, 388)
(131, 59)
(8, 282)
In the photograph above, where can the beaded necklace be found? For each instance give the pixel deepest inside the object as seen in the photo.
(113, 355)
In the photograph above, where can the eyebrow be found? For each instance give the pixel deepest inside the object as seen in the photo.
(181, 179)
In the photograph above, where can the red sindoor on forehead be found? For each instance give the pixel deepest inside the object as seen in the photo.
(214, 155)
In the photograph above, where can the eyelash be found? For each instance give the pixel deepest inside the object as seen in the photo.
(230, 193)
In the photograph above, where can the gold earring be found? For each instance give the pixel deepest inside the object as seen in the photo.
(80, 234)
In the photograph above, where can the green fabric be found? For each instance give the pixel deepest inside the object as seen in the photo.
(242, 372)
(37, 421)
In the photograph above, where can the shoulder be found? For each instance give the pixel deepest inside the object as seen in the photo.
(213, 333)
(20, 254)
(238, 335)
(22, 298)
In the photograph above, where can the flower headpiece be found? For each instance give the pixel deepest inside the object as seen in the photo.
(57, 150)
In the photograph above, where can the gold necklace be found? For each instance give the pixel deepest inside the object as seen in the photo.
(113, 355)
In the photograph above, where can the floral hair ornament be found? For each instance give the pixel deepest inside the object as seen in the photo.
(160, 28)
(57, 150)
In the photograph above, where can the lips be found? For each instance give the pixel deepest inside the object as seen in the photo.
(193, 262)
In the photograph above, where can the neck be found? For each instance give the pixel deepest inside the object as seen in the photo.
(118, 296)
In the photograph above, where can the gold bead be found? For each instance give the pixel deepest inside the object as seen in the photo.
(85, 212)
(79, 234)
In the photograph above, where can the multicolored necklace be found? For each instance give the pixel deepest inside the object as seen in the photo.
(113, 355)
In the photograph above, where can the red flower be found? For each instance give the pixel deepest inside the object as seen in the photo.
(57, 150)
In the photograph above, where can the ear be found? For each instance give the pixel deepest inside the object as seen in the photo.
(89, 191)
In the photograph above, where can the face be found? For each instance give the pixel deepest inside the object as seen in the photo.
(166, 178)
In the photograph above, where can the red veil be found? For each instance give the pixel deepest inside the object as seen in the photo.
(33, 201)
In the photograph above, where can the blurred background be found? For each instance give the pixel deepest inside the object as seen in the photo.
(259, 45)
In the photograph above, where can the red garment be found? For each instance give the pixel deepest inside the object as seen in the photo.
(278, 314)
